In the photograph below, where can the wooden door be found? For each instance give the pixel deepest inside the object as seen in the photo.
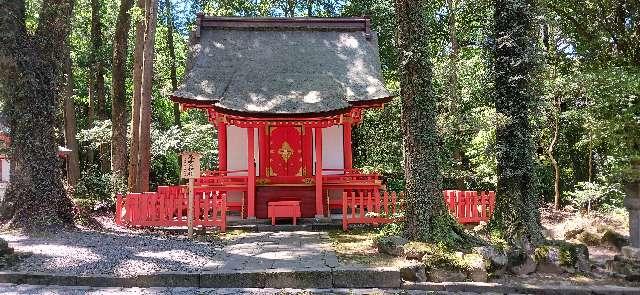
(285, 151)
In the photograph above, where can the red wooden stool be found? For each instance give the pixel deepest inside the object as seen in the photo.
(289, 209)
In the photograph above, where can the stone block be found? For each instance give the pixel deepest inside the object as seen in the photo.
(37, 278)
(414, 273)
(168, 279)
(11, 277)
(613, 239)
(442, 275)
(299, 278)
(478, 287)
(382, 277)
(106, 281)
(631, 253)
(392, 245)
(230, 279)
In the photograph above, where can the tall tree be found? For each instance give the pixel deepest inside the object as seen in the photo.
(96, 74)
(135, 102)
(30, 67)
(517, 216)
(172, 56)
(119, 92)
(144, 167)
(426, 216)
(70, 122)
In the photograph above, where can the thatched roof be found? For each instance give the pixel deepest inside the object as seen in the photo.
(283, 65)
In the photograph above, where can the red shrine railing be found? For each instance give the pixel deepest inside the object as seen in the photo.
(373, 207)
(368, 207)
(470, 206)
(168, 207)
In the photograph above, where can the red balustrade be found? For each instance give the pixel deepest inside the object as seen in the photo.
(368, 207)
(469, 206)
(371, 207)
(168, 207)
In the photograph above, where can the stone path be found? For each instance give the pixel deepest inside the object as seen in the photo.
(126, 254)
(277, 250)
(12, 289)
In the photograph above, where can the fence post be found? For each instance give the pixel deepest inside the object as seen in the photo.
(345, 225)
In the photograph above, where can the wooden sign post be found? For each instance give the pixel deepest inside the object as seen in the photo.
(190, 170)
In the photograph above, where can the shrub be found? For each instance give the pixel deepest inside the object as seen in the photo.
(594, 195)
(96, 189)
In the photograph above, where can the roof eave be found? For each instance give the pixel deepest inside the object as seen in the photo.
(364, 104)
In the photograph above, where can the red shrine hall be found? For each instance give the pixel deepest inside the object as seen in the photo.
(284, 95)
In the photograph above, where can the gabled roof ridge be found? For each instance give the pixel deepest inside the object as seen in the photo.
(285, 23)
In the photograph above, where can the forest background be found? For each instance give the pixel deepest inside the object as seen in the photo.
(585, 118)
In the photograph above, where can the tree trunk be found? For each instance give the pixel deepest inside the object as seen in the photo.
(309, 8)
(119, 92)
(426, 216)
(291, 8)
(454, 96)
(144, 166)
(70, 126)
(30, 70)
(554, 163)
(96, 90)
(516, 216)
(135, 103)
(172, 56)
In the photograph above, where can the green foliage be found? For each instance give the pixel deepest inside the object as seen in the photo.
(96, 189)
(99, 133)
(596, 195)
(168, 144)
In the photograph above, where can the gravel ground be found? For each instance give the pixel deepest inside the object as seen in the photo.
(127, 252)
(110, 252)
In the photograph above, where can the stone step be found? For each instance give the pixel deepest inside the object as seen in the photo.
(323, 277)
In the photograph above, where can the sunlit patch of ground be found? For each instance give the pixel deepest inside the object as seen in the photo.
(356, 247)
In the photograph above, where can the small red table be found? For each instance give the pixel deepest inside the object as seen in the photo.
(290, 209)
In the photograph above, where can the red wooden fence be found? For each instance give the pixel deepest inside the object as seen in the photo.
(168, 207)
(372, 207)
(368, 207)
(469, 206)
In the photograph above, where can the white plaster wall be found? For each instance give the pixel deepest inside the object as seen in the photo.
(332, 149)
(5, 170)
(4, 181)
(237, 149)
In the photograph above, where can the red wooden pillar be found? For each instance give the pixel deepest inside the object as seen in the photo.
(222, 146)
(346, 146)
(251, 175)
(319, 203)
(263, 150)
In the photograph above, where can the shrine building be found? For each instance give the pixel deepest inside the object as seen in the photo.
(284, 95)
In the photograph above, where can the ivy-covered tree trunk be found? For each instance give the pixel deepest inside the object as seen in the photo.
(30, 69)
(516, 217)
(119, 93)
(426, 216)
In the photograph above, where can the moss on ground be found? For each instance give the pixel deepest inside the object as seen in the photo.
(357, 247)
